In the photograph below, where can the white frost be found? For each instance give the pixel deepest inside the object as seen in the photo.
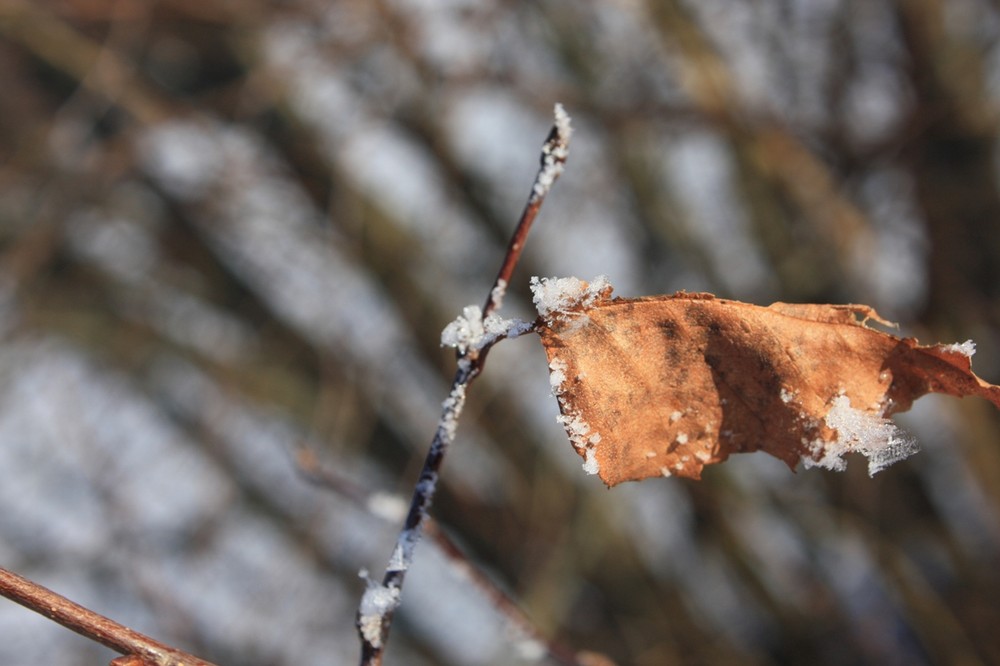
(877, 438)
(557, 375)
(590, 465)
(499, 291)
(967, 348)
(554, 155)
(470, 331)
(581, 435)
(377, 602)
(451, 409)
(576, 428)
(556, 295)
(553, 296)
(402, 553)
(563, 123)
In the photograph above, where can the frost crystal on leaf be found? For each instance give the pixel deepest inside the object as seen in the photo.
(555, 297)
(581, 435)
(552, 296)
(967, 348)
(557, 375)
(878, 439)
(590, 465)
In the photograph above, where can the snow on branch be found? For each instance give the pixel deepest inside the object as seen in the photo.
(472, 332)
(554, 153)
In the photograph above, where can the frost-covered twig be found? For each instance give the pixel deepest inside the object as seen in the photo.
(140, 648)
(379, 603)
(554, 153)
(473, 332)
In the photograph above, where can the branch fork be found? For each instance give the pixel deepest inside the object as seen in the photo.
(472, 334)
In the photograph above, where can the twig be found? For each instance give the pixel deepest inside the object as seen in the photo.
(379, 603)
(137, 648)
(554, 153)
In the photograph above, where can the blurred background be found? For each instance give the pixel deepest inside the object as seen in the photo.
(231, 232)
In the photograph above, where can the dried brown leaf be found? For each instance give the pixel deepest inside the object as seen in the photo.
(665, 385)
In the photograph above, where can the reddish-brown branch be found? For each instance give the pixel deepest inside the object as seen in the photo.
(554, 153)
(513, 254)
(141, 649)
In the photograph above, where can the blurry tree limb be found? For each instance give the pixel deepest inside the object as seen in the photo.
(385, 507)
(94, 66)
(952, 157)
(765, 151)
(138, 648)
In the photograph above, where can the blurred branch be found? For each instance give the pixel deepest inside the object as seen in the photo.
(769, 151)
(142, 649)
(953, 164)
(392, 508)
(94, 66)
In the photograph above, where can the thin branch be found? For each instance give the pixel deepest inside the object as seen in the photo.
(502, 601)
(140, 649)
(554, 154)
(379, 603)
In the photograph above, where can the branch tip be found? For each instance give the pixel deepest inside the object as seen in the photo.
(554, 154)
